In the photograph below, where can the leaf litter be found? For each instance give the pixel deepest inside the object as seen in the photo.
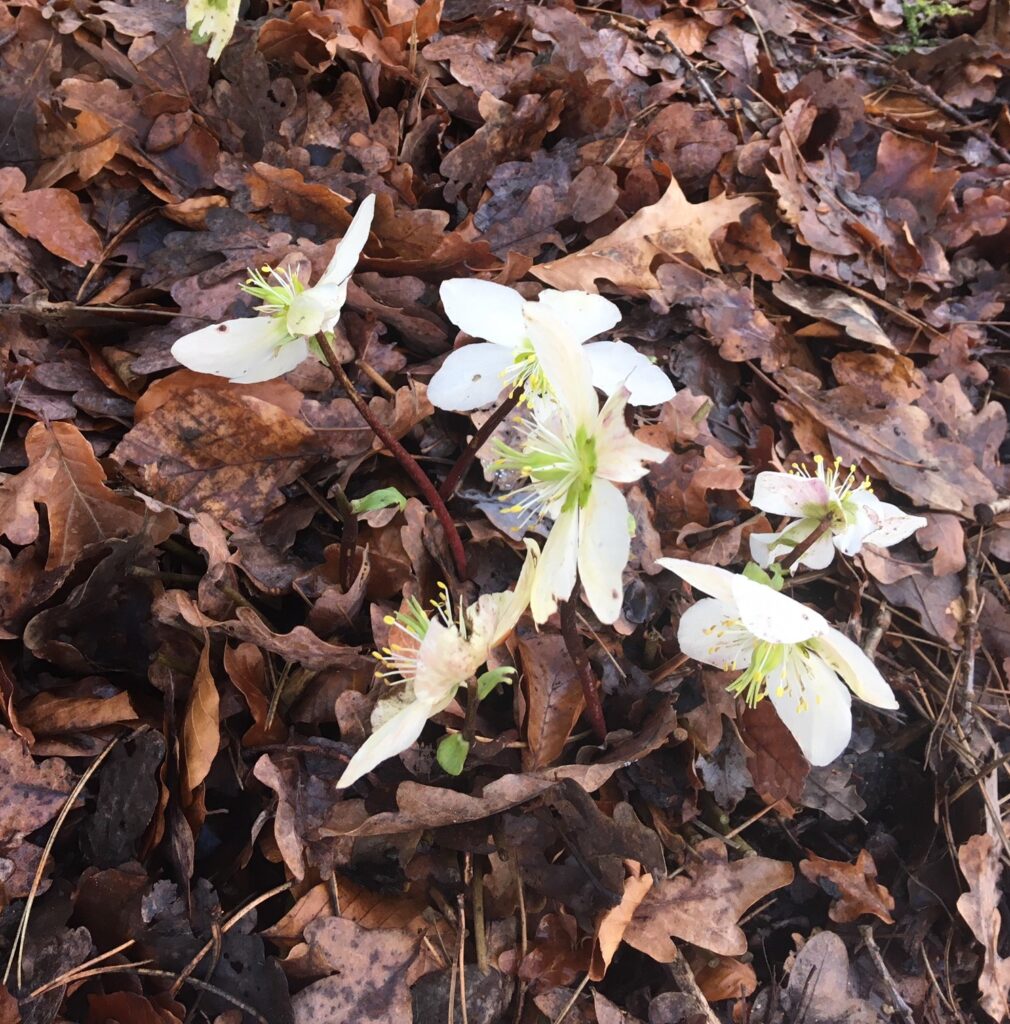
(801, 214)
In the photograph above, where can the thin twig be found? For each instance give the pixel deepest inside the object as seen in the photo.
(479, 935)
(866, 931)
(680, 971)
(461, 901)
(402, 456)
(571, 1002)
(487, 428)
(21, 935)
(577, 652)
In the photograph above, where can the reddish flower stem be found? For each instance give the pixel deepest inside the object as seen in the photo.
(577, 652)
(402, 456)
(463, 463)
(805, 545)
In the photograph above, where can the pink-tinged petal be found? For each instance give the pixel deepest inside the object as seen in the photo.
(230, 348)
(813, 705)
(584, 314)
(619, 454)
(709, 579)
(470, 378)
(563, 365)
(280, 361)
(883, 524)
(348, 252)
(775, 617)
(784, 494)
(397, 735)
(485, 310)
(616, 364)
(604, 546)
(851, 663)
(554, 579)
(710, 632)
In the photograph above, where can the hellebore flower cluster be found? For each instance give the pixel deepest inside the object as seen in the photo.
(476, 375)
(785, 651)
(254, 349)
(853, 514)
(433, 655)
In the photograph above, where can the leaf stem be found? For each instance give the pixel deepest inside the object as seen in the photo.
(577, 652)
(402, 456)
(463, 463)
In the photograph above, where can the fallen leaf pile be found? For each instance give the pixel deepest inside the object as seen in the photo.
(803, 213)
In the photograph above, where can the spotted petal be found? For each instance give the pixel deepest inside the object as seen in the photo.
(785, 494)
(775, 617)
(241, 350)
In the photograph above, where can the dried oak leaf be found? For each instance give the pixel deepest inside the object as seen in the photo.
(980, 864)
(64, 475)
(625, 257)
(368, 983)
(508, 132)
(51, 216)
(853, 887)
(553, 697)
(31, 793)
(704, 905)
(220, 453)
(850, 312)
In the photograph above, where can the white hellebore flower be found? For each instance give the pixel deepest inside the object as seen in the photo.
(573, 453)
(433, 655)
(254, 349)
(475, 375)
(788, 653)
(854, 515)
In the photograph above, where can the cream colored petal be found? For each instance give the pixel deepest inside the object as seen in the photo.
(584, 314)
(470, 378)
(785, 494)
(709, 579)
(851, 663)
(348, 251)
(444, 661)
(397, 735)
(554, 578)
(564, 366)
(883, 524)
(620, 456)
(813, 705)
(616, 364)
(711, 632)
(280, 361)
(486, 310)
(774, 617)
(604, 546)
(230, 348)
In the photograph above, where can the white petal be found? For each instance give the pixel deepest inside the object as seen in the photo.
(310, 311)
(775, 617)
(709, 579)
(444, 661)
(710, 632)
(619, 454)
(584, 314)
(765, 549)
(470, 378)
(485, 310)
(564, 366)
(813, 705)
(281, 360)
(887, 523)
(348, 252)
(785, 494)
(604, 546)
(858, 671)
(399, 733)
(555, 573)
(493, 616)
(230, 348)
(615, 363)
